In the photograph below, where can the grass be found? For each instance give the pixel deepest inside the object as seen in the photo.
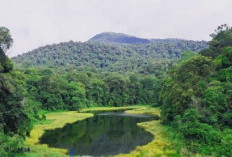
(53, 120)
(110, 108)
(145, 110)
(162, 145)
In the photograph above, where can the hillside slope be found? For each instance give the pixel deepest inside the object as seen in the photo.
(105, 57)
(117, 38)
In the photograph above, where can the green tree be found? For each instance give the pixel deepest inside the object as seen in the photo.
(77, 96)
(97, 91)
(116, 90)
(14, 121)
(5, 38)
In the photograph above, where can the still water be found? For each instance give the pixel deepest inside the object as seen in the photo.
(107, 133)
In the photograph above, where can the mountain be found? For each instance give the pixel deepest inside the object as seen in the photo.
(169, 41)
(120, 38)
(117, 38)
(106, 57)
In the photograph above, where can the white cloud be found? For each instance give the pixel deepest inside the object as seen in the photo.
(35, 23)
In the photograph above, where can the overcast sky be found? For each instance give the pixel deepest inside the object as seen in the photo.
(35, 23)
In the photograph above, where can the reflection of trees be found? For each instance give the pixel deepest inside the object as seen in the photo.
(100, 135)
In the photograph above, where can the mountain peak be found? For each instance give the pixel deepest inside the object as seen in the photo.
(117, 38)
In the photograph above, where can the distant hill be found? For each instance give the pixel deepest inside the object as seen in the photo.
(171, 41)
(120, 38)
(117, 38)
(103, 56)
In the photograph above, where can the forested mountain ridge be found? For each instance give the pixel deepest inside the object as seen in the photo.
(117, 38)
(120, 38)
(107, 57)
(195, 97)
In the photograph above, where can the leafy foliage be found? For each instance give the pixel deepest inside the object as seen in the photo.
(5, 38)
(75, 90)
(196, 97)
(14, 121)
(106, 57)
(221, 39)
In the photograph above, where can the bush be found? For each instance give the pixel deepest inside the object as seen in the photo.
(9, 145)
(200, 137)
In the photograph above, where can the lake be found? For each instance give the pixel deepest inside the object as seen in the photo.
(107, 133)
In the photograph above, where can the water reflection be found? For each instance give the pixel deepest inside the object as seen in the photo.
(104, 134)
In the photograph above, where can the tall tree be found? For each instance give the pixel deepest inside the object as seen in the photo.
(13, 116)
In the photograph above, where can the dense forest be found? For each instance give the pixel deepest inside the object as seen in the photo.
(14, 119)
(27, 90)
(193, 90)
(196, 97)
(104, 57)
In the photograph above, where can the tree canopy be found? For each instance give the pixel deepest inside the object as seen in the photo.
(196, 97)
